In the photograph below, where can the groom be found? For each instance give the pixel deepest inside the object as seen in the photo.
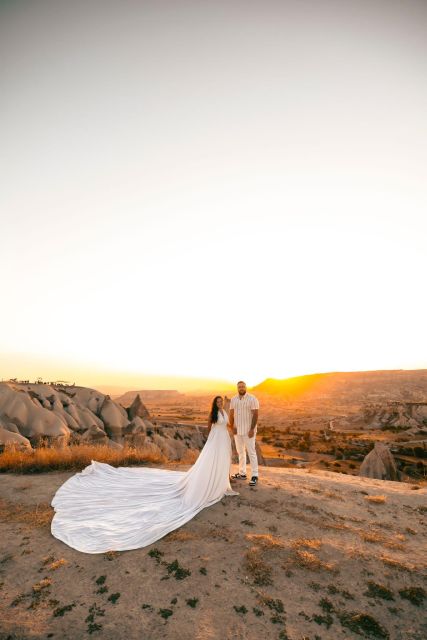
(243, 420)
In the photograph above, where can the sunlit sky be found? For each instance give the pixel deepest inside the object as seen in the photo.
(220, 189)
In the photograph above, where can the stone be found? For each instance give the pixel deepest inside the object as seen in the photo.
(33, 422)
(94, 435)
(379, 464)
(9, 426)
(138, 408)
(10, 440)
(112, 416)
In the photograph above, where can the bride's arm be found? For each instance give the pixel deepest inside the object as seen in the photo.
(209, 424)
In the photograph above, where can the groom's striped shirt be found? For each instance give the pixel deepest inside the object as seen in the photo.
(243, 406)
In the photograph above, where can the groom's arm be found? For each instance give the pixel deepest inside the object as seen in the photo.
(253, 423)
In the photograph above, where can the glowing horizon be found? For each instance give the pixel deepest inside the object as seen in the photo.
(34, 367)
(212, 191)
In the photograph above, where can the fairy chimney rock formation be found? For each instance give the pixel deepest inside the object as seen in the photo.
(114, 418)
(379, 464)
(138, 408)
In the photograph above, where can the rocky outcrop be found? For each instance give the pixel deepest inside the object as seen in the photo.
(12, 440)
(138, 408)
(260, 457)
(114, 418)
(58, 415)
(380, 464)
(153, 395)
(94, 435)
(135, 433)
(83, 417)
(55, 414)
(172, 448)
(32, 420)
(9, 426)
(410, 417)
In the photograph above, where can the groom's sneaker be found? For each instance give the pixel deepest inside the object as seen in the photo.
(253, 481)
(239, 476)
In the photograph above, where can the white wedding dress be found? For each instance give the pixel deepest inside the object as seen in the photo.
(104, 508)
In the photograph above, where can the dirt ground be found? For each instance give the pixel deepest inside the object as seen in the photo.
(305, 555)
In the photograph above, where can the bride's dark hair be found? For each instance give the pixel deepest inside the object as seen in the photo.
(213, 416)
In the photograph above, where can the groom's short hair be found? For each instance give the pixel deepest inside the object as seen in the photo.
(241, 382)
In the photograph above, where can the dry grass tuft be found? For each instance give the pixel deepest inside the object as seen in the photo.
(181, 536)
(397, 564)
(75, 458)
(306, 542)
(378, 538)
(38, 516)
(334, 495)
(308, 560)
(372, 536)
(43, 584)
(376, 499)
(56, 564)
(261, 572)
(267, 541)
(254, 561)
(257, 568)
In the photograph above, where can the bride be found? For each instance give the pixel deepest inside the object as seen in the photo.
(104, 508)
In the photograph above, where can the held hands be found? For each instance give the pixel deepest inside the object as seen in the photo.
(234, 428)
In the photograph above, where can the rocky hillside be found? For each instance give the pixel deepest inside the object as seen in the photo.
(357, 387)
(410, 417)
(57, 415)
(156, 395)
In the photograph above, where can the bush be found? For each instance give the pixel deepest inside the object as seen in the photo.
(75, 458)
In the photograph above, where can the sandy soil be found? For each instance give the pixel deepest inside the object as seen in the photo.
(305, 555)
